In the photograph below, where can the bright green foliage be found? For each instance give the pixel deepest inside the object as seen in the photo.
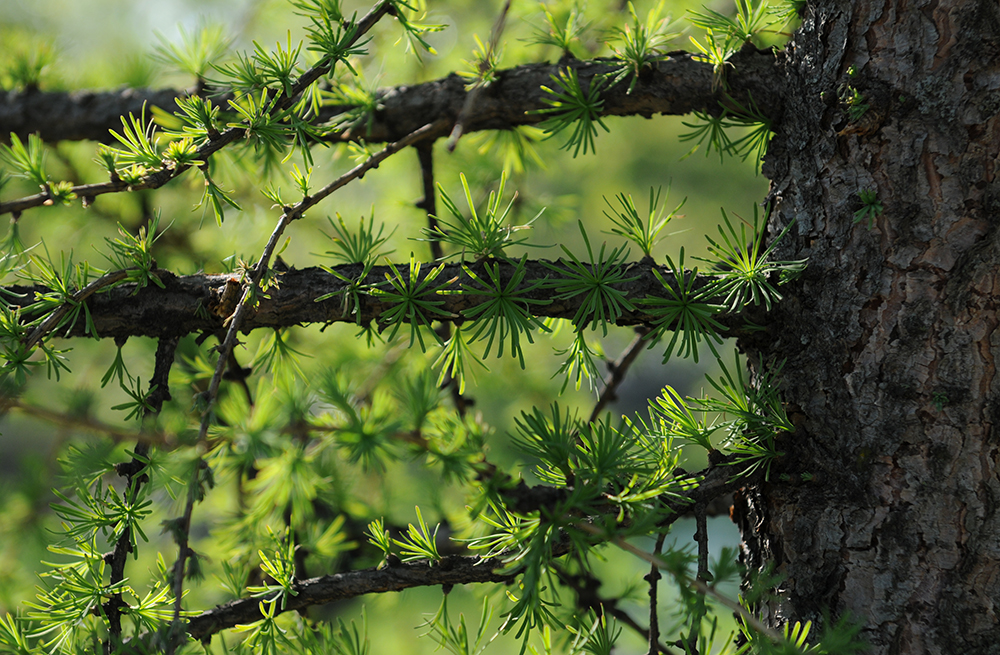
(597, 639)
(411, 300)
(363, 430)
(602, 303)
(29, 59)
(141, 144)
(28, 160)
(279, 567)
(266, 636)
(456, 639)
(551, 441)
(313, 440)
(280, 66)
(134, 253)
(195, 53)
(138, 404)
(711, 130)
(562, 29)
(18, 360)
(582, 361)
(182, 153)
(751, 18)
(419, 543)
(215, 198)
(515, 148)
(725, 34)
(643, 43)
(746, 272)
(105, 513)
(278, 357)
(505, 313)
(570, 106)
(362, 103)
(410, 15)
(755, 140)
(676, 419)
(364, 247)
(62, 280)
(484, 233)
(750, 417)
(378, 536)
(758, 416)
(454, 359)
(325, 11)
(628, 223)
(483, 67)
(687, 313)
(264, 128)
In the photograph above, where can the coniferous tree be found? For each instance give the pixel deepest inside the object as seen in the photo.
(852, 438)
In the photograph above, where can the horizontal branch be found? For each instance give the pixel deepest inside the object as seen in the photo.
(724, 476)
(676, 85)
(451, 570)
(235, 132)
(203, 303)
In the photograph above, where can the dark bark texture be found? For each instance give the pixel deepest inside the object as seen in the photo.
(890, 337)
(203, 303)
(677, 85)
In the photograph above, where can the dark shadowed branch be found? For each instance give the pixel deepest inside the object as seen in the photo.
(452, 570)
(676, 85)
(198, 303)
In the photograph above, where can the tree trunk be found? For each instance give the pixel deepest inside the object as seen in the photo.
(890, 337)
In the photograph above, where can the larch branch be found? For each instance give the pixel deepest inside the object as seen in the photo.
(200, 303)
(677, 85)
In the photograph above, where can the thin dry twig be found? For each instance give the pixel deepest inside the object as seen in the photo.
(618, 369)
(698, 585)
(479, 85)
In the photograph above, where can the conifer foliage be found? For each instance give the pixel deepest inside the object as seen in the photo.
(263, 471)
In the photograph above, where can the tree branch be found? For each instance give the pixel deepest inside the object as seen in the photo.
(200, 303)
(210, 145)
(132, 471)
(452, 570)
(676, 85)
(618, 369)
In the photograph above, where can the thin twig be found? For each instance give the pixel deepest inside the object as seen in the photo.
(618, 370)
(585, 586)
(653, 578)
(52, 320)
(257, 274)
(698, 585)
(164, 175)
(425, 155)
(184, 553)
(226, 348)
(80, 422)
(480, 84)
(132, 471)
(701, 538)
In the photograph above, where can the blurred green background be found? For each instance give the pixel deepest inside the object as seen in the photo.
(107, 43)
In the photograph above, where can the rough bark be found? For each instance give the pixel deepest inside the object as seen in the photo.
(677, 85)
(890, 337)
(202, 303)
